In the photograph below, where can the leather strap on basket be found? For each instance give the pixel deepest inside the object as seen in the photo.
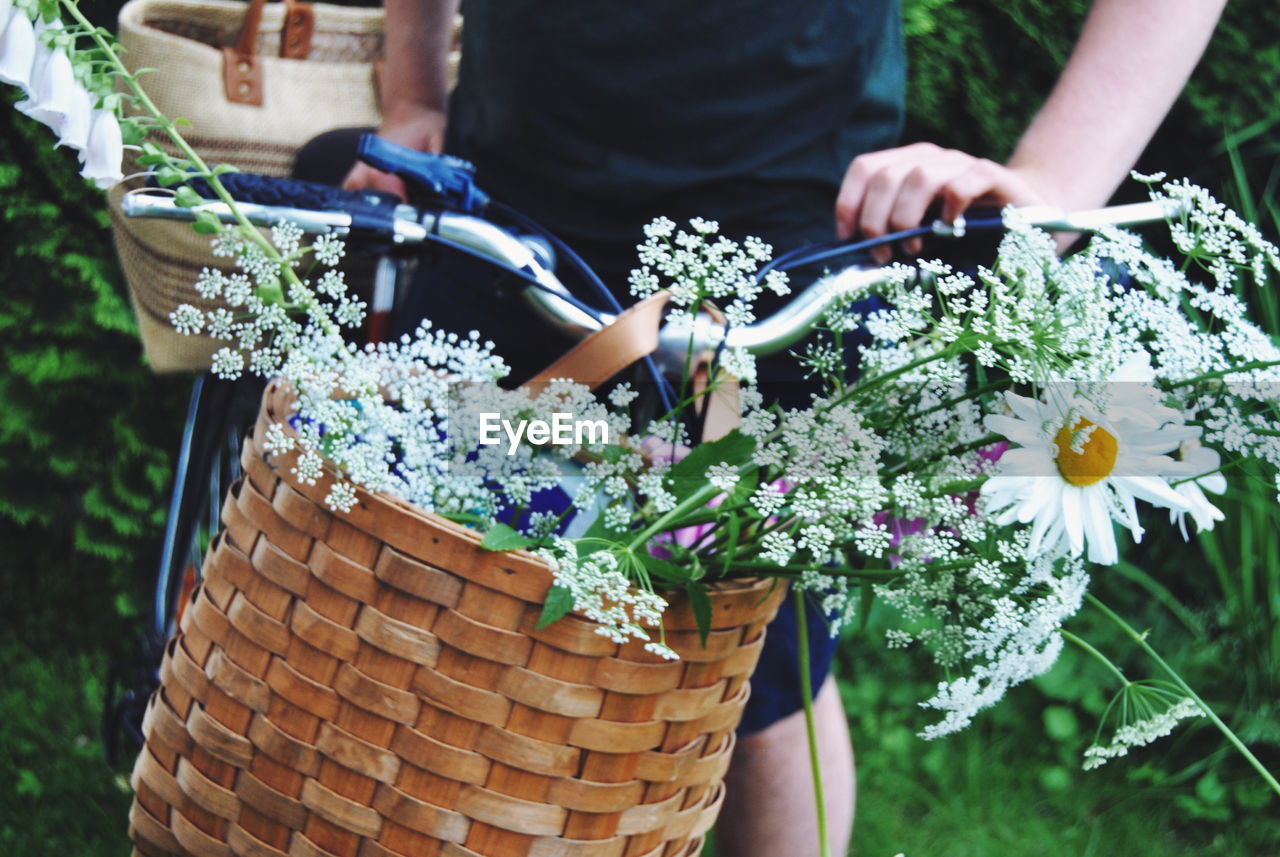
(633, 336)
(241, 65)
(605, 353)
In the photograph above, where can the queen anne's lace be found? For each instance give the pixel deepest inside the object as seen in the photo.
(878, 477)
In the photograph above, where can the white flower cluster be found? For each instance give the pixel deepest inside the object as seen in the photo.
(40, 58)
(703, 267)
(1139, 733)
(605, 593)
(970, 507)
(251, 314)
(1139, 385)
(1009, 639)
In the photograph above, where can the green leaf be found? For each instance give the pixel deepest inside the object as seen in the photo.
(559, 602)
(206, 223)
(223, 169)
(690, 473)
(503, 538)
(169, 176)
(700, 601)
(664, 570)
(187, 197)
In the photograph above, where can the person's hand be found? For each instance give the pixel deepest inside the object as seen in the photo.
(890, 190)
(421, 128)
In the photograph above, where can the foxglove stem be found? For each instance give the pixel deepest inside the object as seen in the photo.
(1141, 640)
(205, 172)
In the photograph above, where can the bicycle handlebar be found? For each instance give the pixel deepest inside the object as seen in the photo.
(405, 225)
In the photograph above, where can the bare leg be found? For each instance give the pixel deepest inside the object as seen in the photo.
(768, 809)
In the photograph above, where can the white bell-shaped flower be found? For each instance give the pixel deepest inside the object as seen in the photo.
(105, 150)
(53, 87)
(75, 130)
(17, 50)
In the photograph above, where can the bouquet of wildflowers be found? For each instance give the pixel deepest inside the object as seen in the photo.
(967, 460)
(999, 425)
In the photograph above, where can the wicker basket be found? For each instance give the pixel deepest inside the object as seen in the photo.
(372, 684)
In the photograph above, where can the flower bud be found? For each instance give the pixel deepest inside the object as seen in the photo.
(17, 50)
(105, 150)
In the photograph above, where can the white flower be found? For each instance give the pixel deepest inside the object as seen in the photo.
(342, 496)
(17, 49)
(622, 395)
(1199, 466)
(105, 150)
(286, 236)
(53, 81)
(227, 363)
(723, 476)
(1140, 733)
(79, 120)
(187, 319)
(777, 548)
(1076, 471)
(329, 250)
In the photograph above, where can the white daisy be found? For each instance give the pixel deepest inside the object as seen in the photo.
(1198, 466)
(1076, 470)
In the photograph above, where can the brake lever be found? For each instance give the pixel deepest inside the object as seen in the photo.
(447, 179)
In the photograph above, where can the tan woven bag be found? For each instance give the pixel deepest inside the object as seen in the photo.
(256, 81)
(372, 684)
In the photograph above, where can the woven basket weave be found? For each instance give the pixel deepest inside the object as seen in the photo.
(372, 685)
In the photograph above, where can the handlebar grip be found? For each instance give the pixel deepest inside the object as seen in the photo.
(368, 208)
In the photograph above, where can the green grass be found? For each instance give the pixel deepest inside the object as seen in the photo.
(1011, 785)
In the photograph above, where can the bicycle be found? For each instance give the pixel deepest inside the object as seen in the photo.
(450, 211)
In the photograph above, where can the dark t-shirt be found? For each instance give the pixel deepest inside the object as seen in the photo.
(594, 117)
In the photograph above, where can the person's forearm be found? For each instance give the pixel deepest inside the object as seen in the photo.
(416, 55)
(1131, 61)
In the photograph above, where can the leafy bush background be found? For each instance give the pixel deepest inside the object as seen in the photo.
(87, 436)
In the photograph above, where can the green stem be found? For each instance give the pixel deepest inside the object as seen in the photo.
(167, 125)
(1097, 655)
(916, 464)
(671, 519)
(811, 733)
(1141, 640)
(768, 568)
(1222, 373)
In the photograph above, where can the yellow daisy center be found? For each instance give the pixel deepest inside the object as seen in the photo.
(1096, 458)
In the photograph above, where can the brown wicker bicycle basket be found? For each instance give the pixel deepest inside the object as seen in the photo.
(372, 684)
